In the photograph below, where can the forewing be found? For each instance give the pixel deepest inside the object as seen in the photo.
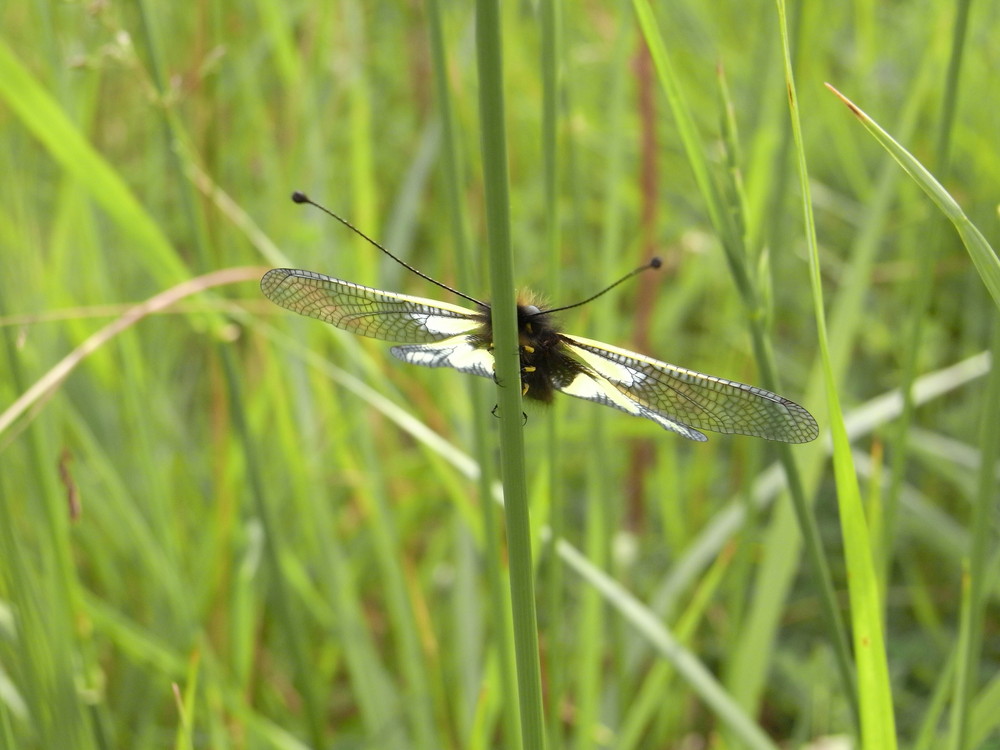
(673, 396)
(367, 311)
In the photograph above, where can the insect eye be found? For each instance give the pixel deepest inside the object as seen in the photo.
(531, 310)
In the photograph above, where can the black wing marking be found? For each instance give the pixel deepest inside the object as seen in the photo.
(682, 400)
(367, 311)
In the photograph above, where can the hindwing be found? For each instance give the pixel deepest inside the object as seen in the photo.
(683, 400)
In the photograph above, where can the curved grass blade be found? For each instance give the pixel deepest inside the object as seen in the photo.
(983, 256)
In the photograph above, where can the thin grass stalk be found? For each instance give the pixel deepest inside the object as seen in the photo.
(622, 515)
(284, 602)
(592, 675)
(550, 69)
(958, 734)
(186, 702)
(777, 567)
(975, 581)
(757, 300)
(665, 643)
(646, 704)
(419, 691)
(949, 106)
(40, 586)
(610, 254)
(985, 719)
(874, 688)
(42, 115)
(928, 737)
(551, 61)
(597, 672)
(6, 728)
(923, 284)
(183, 611)
(377, 700)
(504, 316)
(359, 117)
(416, 673)
(805, 517)
(468, 642)
(731, 239)
(285, 609)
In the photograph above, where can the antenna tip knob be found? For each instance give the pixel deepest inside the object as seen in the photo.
(655, 263)
(300, 197)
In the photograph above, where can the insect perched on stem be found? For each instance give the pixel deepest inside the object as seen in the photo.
(438, 334)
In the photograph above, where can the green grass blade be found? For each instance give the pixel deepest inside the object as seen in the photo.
(45, 119)
(146, 148)
(694, 672)
(469, 610)
(976, 579)
(983, 256)
(986, 711)
(52, 380)
(682, 114)
(728, 222)
(558, 662)
(504, 315)
(874, 689)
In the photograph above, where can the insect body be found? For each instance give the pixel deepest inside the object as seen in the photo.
(438, 334)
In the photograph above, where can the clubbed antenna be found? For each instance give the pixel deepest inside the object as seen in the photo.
(654, 263)
(300, 197)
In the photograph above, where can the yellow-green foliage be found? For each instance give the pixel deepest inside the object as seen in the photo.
(224, 526)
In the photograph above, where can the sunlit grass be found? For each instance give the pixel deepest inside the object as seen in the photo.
(226, 526)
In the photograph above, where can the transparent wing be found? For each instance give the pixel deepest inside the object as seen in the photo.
(366, 311)
(682, 400)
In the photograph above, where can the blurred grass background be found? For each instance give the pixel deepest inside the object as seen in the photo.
(230, 527)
